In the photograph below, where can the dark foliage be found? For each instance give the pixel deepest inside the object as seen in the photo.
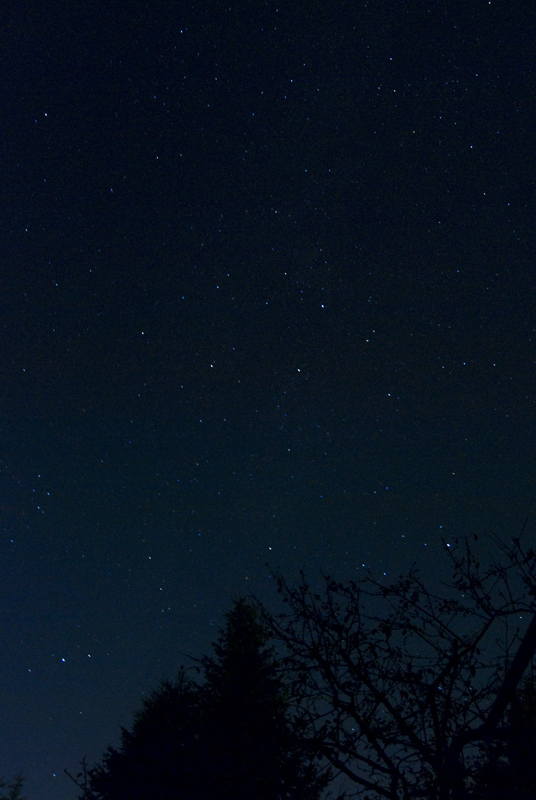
(255, 752)
(228, 737)
(14, 789)
(405, 688)
(509, 771)
(162, 755)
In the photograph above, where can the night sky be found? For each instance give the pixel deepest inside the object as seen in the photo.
(267, 297)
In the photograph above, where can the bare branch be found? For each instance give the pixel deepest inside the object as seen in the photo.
(397, 684)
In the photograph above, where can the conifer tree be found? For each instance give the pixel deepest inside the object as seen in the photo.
(229, 736)
(14, 789)
(255, 751)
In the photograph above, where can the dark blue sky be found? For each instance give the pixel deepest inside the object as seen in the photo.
(267, 295)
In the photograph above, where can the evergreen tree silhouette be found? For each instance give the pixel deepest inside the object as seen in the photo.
(161, 757)
(255, 751)
(14, 789)
(230, 736)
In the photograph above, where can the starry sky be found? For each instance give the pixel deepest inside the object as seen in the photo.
(267, 303)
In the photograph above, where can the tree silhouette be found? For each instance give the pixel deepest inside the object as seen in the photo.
(161, 757)
(14, 789)
(403, 687)
(230, 736)
(255, 752)
(509, 771)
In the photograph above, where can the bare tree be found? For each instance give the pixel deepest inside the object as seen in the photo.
(404, 687)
